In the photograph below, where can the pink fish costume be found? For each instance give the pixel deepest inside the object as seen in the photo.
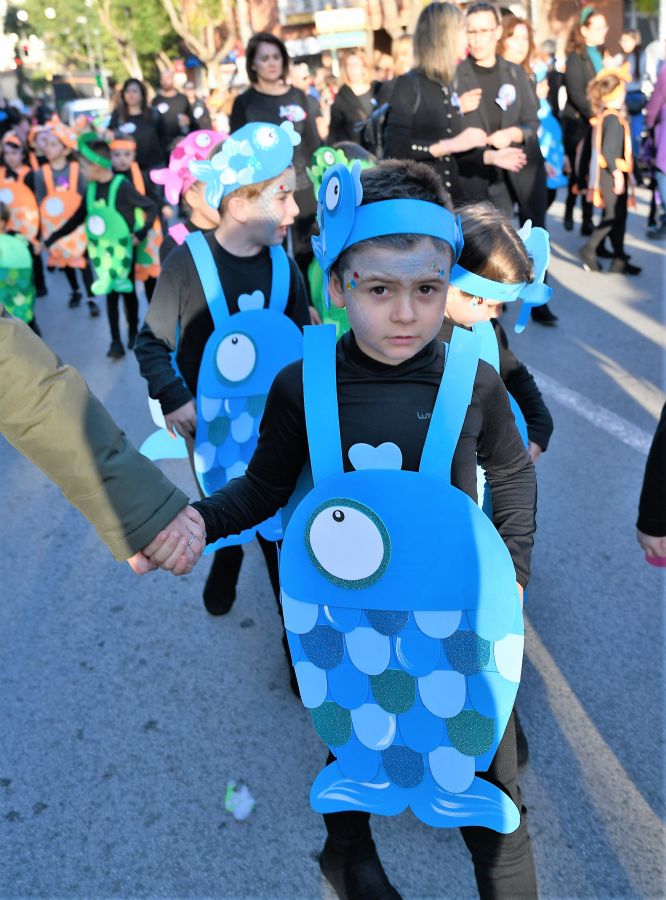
(177, 178)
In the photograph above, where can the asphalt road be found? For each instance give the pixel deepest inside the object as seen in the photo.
(125, 708)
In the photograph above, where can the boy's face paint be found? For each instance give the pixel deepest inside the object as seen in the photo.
(273, 211)
(122, 159)
(465, 310)
(397, 305)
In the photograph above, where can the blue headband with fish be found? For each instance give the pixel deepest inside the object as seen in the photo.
(343, 222)
(532, 293)
(256, 152)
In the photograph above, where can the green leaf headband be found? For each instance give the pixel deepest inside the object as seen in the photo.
(88, 153)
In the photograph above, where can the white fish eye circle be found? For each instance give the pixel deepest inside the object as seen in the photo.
(332, 196)
(348, 543)
(329, 157)
(202, 140)
(96, 225)
(236, 357)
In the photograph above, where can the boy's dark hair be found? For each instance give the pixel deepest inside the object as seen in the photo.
(492, 248)
(101, 148)
(264, 37)
(5, 214)
(484, 6)
(399, 179)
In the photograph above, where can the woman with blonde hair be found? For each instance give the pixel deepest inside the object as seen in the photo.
(354, 101)
(424, 121)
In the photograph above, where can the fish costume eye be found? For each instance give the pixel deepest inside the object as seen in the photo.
(329, 157)
(96, 225)
(236, 357)
(203, 140)
(332, 194)
(348, 543)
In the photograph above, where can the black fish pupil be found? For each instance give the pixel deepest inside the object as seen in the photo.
(234, 340)
(338, 515)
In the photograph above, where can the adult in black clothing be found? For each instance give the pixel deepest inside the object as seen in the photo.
(508, 113)
(651, 524)
(174, 110)
(424, 123)
(200, 114)
(584, 60)
(354, 101)
(134, 118)
(271, 99)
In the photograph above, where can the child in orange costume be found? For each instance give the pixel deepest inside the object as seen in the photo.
(17, 191)
(611, 183)
(60, 189)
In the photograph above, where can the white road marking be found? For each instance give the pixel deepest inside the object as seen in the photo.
(595, 414)
(607, 783)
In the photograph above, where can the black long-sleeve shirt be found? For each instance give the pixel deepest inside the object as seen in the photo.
(348, 109)
(128, 199)
(179, 302)
(520, 383)
(652, 506)
(379, 403)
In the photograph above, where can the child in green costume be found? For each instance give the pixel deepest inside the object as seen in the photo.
(17, 283)
(110, 216)
(346, 153)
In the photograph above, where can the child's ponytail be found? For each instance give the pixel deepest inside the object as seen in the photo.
(492, 247)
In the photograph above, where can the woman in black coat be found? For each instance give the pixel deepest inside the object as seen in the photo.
(584, 60)
(133, 117)
(271, 99)
(424, 120)
(354, 101)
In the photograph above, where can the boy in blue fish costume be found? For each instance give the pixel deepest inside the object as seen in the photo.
(401, 599)
(231, 304)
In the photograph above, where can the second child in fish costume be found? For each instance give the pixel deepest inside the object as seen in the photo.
(231, 304)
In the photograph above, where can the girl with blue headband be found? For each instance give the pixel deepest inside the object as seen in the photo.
(399, 594)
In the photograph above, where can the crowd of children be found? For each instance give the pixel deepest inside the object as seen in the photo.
(276, 416)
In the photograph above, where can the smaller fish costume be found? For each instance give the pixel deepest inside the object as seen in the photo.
(322, 160)
(177, 178)
(59, 205)
(247, 349)
(535, 293)
(409, 681)
(17, 285)
(109, 236)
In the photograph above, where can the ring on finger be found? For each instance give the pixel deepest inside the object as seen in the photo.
(192, 538)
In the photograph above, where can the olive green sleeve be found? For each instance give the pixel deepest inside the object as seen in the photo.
(48, 413)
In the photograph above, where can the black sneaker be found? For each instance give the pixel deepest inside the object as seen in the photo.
(116, 350)
(93, 309)
(587, 228)
(131, 340)
(568, 223)
(589, 258)
(360, 876)
(543, 315)
(622, 267)
(75, 299)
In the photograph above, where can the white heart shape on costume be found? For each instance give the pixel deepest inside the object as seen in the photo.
(385, 456)
(255, 300)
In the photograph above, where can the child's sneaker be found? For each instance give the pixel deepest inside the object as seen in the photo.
(358, 875)
(75, 299)
(93, 309)
(131, 340)
(621, 266)
(116, 350)
(590, 263)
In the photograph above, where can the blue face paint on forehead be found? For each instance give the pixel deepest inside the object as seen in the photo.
(534, 293)
(343, 222)
(256, 152)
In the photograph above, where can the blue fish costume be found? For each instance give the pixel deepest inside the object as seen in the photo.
(549, 135)
(530, 294)
(409, 681)
(247, 349)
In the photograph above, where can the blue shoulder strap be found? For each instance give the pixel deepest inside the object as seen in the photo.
(280, 279)
(321, 401)
(451, 403)
(489, 351)
(209, 277)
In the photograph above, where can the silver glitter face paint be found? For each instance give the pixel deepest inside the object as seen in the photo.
(269, 205)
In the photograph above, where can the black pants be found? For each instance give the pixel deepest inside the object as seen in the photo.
(131, 312)
(86, 274)
(503, 863)
(38, 271)
(149, 288)
(614, 221)
(232, 558)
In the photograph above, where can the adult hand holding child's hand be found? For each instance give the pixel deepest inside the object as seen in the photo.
(177, 548)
